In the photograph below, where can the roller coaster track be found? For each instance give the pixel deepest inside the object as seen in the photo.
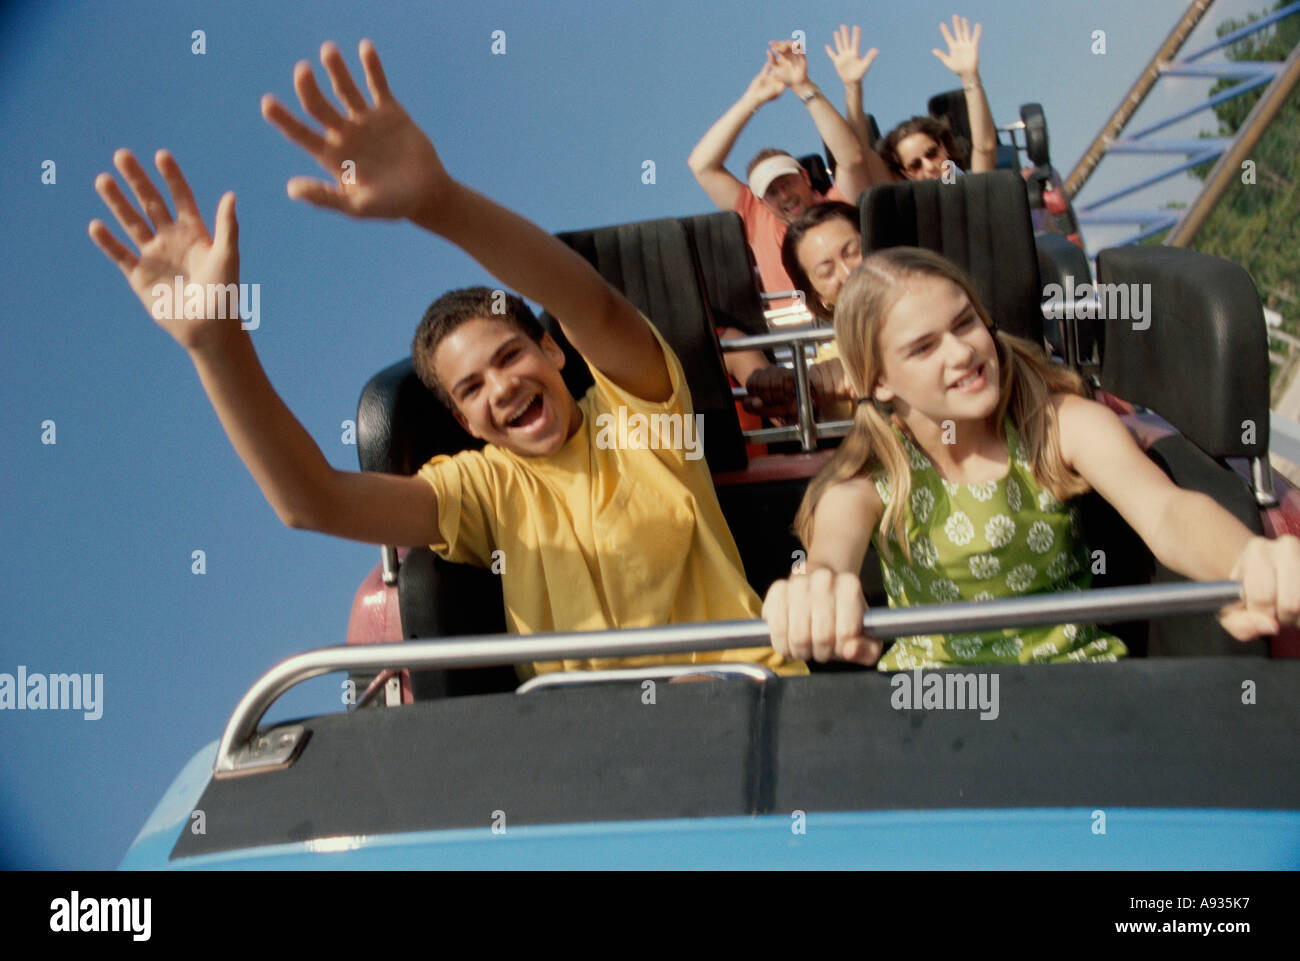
(1280, 78)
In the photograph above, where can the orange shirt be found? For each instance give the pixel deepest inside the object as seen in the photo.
(765, 232)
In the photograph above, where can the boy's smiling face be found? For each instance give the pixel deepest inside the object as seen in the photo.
(507, 388)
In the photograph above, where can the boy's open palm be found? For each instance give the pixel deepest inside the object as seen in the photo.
(168, 247)
(382, 164)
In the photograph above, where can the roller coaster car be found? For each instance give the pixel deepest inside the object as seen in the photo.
(462, 773)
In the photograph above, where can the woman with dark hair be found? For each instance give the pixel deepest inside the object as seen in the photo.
(820, 250)
(920, 148)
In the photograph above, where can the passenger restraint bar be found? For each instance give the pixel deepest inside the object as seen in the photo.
(243, 751)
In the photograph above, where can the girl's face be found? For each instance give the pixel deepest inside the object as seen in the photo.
(828, 253)
(937, 357)
(921, 157)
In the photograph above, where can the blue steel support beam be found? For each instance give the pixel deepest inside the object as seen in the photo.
(1149, 181)
(1245, 31)
(1248, 69)
(1234, 91)
(1125, 217)
(1197, 145)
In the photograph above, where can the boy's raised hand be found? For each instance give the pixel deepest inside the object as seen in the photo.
(963, 56)
(169, 247)
(851, 66)
(382, 164)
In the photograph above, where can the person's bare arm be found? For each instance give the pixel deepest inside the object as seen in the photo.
(741, 363)
(300, 485)
(1187, 531)
(963, 59)
(708, 160)
(820, 612)
(850, 162)
(852, 69)
(395, 172)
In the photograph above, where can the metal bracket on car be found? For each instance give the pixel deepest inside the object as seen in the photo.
(1261, 482)
(270, 751)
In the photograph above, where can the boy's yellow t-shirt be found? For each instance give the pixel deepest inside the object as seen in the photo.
(599, 536)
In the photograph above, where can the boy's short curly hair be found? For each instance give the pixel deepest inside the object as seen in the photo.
(455, 308)
(958, 148)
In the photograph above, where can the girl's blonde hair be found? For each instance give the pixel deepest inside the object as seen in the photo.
(1028, 379)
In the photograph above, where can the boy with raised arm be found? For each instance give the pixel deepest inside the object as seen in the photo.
(595, 536)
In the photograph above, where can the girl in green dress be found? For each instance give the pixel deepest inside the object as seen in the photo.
(966, 451)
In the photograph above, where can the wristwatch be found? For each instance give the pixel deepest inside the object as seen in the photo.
(812, 95)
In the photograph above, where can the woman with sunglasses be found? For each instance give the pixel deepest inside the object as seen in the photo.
(922, 148)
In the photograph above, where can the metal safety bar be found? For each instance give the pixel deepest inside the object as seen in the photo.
(808, 429)
(242, 750)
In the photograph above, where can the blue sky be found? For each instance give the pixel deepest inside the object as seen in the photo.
(99, 527)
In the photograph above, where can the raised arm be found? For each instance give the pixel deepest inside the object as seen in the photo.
(707, 161)
(963, 59)
(1187, 531)
(383, 166)
(298, 482)
(850, 162)
(852, 68)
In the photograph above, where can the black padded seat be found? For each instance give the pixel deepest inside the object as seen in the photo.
(980, 222)
(818, 175)
(1199, 360)
(1206, 337)
(727, 270)
(654, 265)
(400, 425)
(950, 106)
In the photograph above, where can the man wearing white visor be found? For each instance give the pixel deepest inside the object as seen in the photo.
(779, 189)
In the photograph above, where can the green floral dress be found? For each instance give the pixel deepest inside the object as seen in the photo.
(974, 542)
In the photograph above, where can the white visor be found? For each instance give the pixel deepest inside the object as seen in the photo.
(768, 170)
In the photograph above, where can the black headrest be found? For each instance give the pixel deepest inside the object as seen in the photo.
(1035, 134)
(873, 129)
(727, 268)
(401, 424)
(951, 106)
(817, 173)
(980, 222)
(1202, 360)
(654, 264)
